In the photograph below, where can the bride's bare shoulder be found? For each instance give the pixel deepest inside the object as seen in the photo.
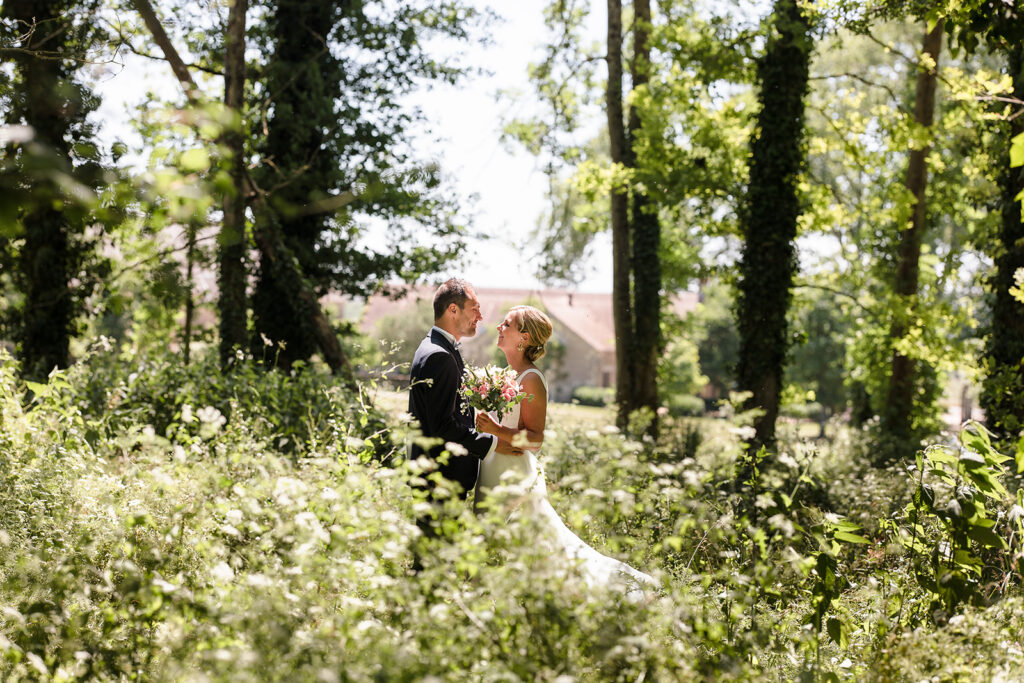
(532, 383)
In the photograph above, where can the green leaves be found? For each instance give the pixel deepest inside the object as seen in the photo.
(949, 525)
(194, 160)
(848, 537)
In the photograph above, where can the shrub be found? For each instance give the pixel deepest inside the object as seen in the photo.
(204, 549)
(802, 411)
(685, 406)
(593, 396)
(290, 410)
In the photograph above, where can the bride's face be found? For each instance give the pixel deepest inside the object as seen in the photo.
(509, 336)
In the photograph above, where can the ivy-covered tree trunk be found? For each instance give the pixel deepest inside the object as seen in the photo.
(769, 216)
(897, 415)
(304, 80)
(278, 259)
(646, 233)
(49, 101)
(622, 307)
(232, 306)
(1002, 395)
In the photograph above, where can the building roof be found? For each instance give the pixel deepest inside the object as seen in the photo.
(587, 315)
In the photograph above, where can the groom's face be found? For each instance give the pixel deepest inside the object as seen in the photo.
(468, 316)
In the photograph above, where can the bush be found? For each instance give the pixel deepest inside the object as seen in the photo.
(593, 396)
(290, 410)
(204, 549)
(802, 411)
(685, 406)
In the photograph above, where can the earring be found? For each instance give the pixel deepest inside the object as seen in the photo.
(520, 347)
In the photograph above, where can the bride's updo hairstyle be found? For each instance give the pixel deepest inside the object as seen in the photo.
(536, 324)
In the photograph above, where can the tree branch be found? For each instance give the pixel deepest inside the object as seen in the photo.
(126, 42)
(862, 79)
(152, 22)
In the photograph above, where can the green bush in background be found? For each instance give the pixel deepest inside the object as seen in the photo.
(593, 396)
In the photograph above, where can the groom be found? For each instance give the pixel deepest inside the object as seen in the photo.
(434, 397)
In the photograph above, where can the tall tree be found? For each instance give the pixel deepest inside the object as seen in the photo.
(897, 423)
(265, 235)
(331, 88)
(232, 304)
(646, 242)
(305, 80)
(622, 300)
(47, 97)
(1000, 26)
(771, 209)
(1002, 394)
(672, 170)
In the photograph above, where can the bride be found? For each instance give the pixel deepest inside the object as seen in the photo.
(521, 336)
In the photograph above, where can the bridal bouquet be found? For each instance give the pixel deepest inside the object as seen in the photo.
(491, 388)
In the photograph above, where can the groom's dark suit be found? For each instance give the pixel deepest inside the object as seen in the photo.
(435, 401)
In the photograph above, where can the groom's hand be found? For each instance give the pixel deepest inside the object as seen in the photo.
(505, 448)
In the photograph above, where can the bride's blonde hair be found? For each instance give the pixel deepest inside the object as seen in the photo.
(535, 323)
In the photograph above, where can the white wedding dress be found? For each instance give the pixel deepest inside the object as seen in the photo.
(526, 477)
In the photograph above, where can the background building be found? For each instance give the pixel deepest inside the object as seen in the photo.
(580, 353)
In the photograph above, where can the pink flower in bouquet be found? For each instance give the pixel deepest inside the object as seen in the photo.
(491, 389)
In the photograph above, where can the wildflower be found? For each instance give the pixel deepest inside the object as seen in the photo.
(222, 573)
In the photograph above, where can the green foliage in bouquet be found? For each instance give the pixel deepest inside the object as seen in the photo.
(492, 389)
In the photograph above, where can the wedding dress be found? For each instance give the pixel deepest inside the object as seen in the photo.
(525, 474)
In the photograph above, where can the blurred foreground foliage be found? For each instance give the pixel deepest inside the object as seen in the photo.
(159, 522)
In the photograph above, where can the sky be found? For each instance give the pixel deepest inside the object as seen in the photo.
(501, 184)
(507, 180)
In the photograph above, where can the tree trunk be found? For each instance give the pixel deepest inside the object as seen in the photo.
(304, 85)
(281, 262)
(622, 309)
(646, 232)
(232, 305)
(1002, 395)
(190, 285)
(44, 262)
(769, 217)
(897, 416)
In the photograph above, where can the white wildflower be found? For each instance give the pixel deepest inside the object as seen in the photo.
(208, 415)
(288, 490)
(258, 581)
(746, 432)
(456, 448)
(222, 573)
(309, 522)
(788, 460)
(37, 663)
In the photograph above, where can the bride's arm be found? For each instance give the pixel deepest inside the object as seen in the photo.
(532, 415)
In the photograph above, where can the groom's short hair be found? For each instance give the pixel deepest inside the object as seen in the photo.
(454, 291)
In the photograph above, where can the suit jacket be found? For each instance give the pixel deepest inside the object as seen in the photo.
(435, 401)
